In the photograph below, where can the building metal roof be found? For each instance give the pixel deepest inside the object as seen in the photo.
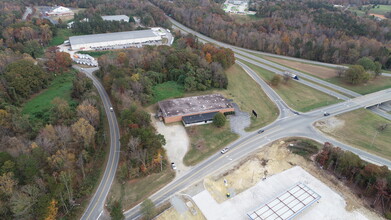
(96, 38)
(191, 119)
(115, 18)
(287, 205)
(194, 105)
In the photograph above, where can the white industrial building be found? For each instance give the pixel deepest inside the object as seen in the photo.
(115, 40)
(115, 18)
(59, 11)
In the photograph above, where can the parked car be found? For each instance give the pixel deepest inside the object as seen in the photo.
(261, 131)
(326, 114)
(225, 150)
(173, 166)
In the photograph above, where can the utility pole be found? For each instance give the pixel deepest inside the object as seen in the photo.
(161, 163)
(373, 140)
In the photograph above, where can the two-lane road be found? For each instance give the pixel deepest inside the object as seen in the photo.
(96, 205)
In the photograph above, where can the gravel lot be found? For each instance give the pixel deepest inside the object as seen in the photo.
(177, 143)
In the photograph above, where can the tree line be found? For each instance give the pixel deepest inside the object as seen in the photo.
(192, 64)
(369, 181)
(305, 29)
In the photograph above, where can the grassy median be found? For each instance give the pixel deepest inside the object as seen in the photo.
(298, 96)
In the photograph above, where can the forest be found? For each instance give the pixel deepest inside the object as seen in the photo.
(369, 181)
(49, 159)
(307, 29)
(149, 15)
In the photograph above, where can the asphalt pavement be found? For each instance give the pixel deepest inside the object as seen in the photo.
(287, 125)
(97, 203)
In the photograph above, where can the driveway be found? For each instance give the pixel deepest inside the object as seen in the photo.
(177, 143)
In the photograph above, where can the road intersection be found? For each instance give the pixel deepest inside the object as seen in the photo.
(289, 124)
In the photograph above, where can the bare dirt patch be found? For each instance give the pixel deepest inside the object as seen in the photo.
(330, 125)
(379, 16)
(320, 71)
(275, 159)
(192, 212)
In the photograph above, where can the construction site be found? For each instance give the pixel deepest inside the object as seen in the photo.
(273, 183)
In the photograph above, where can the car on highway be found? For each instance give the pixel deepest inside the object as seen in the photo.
(326, 114)
(261, 131)
(111, 109)
(225, 150)
(173, 166)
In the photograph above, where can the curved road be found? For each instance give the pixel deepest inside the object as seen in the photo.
(96, 205)
(288, 124)
(279, 69)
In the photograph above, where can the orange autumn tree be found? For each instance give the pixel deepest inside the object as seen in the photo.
(52, 210)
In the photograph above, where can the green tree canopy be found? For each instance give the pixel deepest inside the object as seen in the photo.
(219, 120)
(148, 209)
(356, 74)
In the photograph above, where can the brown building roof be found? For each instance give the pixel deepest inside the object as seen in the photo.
(193, 105)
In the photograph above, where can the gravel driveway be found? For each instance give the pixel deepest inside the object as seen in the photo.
(177, 143)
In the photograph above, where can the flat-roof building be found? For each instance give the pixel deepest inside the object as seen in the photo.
(113, 40)
(115, 18)
(193, 110)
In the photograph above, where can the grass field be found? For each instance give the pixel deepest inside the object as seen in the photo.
(298, 96)
(206, 140)
(63, 34)
(135, 191)
(38, 106)
(361, 128)
(249, 96)
(377, 84)
(167, 90)
(329, 75)
(380, 10)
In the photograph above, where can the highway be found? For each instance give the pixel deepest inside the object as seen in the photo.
(313, 82)
(96, 205)
(289, 124)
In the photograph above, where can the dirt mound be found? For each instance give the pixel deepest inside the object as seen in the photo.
(330, 125)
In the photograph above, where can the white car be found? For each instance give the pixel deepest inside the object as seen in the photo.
(225, 150)
(173, 166)
(111, 109)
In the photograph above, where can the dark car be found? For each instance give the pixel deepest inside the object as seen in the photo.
(326, 114)
(261, 131)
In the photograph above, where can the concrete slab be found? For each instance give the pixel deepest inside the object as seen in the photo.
(239, 206)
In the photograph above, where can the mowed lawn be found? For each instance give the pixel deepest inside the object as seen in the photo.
(167, 90)
(298, 96)
(63, 34)
(39, 105)
(361, 128)
(136, 191)
(329, 75)
(373, 85)
(206, 140)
